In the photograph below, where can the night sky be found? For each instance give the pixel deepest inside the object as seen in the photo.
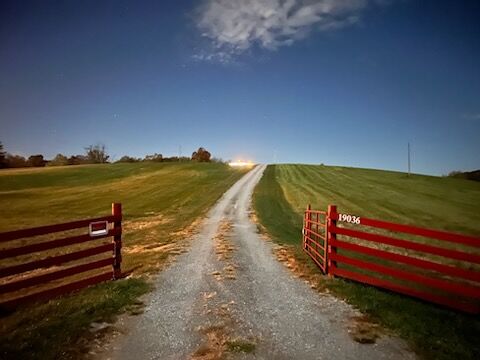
(336, 82)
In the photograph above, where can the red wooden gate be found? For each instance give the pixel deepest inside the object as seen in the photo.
(314, 236)
(22, 275)
(436, 266)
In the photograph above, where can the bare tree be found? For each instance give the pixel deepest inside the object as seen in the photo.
(58, 160)
(3, 162)
(155, 158)
(97, 154)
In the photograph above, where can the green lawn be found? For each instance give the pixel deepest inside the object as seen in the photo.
(434, 202)
(160, 202)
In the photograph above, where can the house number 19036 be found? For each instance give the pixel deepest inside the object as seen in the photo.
(349, 218)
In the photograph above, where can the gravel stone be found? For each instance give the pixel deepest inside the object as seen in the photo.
(264, 304)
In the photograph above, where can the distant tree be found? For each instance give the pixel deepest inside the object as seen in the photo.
(218, 160)
(201, 155)
(15, 161)
(77, 160)
(3, 161)
(36, 161)
(58, 160)
(454, 173)
(468, 175)
(97, 154)
(171, 159)
(127, 159)
(155, 157)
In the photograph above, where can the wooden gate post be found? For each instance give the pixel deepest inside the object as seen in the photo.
(331, 213)
(117, 240)
(306, 225)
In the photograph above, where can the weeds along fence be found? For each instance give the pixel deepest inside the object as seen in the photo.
(435, 266)
(48, 261)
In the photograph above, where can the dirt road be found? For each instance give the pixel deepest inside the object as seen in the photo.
(228, 297)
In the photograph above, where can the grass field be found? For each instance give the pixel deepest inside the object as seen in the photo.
(161, 203)
(440, 203)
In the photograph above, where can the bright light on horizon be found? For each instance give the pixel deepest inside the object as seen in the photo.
(241, 163)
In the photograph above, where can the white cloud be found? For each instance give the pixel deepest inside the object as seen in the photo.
(234, 26)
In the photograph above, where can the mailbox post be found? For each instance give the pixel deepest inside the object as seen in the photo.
(117, 240)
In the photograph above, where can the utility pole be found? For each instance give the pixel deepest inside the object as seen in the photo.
(179, 152)
(409, 160)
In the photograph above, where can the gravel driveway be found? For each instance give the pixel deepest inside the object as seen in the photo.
(228, 297)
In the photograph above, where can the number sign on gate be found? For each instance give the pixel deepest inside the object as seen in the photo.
(349, 219)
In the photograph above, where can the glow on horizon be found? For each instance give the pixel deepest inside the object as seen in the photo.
(241, 163)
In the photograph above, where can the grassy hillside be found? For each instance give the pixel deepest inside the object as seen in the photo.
(441, 203)
(160, 202)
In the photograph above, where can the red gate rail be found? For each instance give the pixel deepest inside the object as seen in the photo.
(19, 281)
(367, 257)
(314, 243)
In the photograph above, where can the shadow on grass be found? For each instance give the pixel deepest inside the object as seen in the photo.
(52, 329)
(273, 210)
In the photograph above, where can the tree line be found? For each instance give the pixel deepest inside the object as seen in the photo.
(94, 154)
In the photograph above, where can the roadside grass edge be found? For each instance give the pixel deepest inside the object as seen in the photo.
(432, 332)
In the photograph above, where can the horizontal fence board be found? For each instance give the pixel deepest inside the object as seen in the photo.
(41, 279)
(420, 263)
(455, 288)
(315, 259)
(47, 245)
(370, 280)
(447, 253)
(314, 233)
(315, 242)
(413, 230)
(315, 222)
(42, 230)
(311, 248)
(61, 290)
(315, 212)
(55, 261)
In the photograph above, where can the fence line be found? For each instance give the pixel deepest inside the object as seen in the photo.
(354, 254)
(109, 226)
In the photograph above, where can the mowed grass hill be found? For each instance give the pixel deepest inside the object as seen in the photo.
(434, 202)
(162, 203)
(30, 197)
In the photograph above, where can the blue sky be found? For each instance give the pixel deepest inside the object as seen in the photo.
(346, 82)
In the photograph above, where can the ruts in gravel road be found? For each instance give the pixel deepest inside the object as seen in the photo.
(229, 298)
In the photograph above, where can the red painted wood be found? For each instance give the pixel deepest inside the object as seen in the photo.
(315, 260)
(331, 236)
(42, 230)
(117, 239)
(55, 261)
(308, 211)
(448, 253)
(61, 290)
(7, 253)
(434, 234)
(314, 233)
(314, 242)
(315, 222)
(310, 248)
(420, 263)
(466, 307)
(40, 279)
(303, 229)
(452, 287)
